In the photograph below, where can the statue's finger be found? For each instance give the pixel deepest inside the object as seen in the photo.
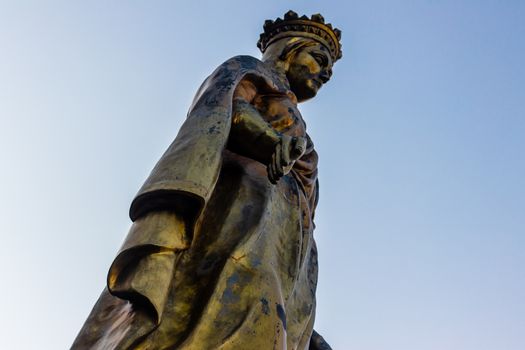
(271, 170)
(286, 144)
(279, 161)
(279, 171)
(299, 147)
(278, 156)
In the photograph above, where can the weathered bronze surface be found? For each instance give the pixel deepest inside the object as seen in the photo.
(221, 252)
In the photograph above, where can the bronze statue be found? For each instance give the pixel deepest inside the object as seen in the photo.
(221, 252)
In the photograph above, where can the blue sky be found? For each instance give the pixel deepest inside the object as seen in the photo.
(421, 134)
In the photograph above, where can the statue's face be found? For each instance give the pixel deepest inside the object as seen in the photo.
(308, 70)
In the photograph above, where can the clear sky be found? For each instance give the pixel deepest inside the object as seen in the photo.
(421, 134)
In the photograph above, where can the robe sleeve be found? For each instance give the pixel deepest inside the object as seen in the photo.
(142, 271)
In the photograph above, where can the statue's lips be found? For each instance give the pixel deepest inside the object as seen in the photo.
(318, 82)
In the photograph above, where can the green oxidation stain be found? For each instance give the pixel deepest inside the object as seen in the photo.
(229, 296)
(213, 130)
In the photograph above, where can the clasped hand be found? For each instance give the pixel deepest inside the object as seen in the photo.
(287, 151)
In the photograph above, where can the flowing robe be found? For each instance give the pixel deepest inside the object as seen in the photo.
(217, 257)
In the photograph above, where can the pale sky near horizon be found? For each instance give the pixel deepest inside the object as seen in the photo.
(421, 136)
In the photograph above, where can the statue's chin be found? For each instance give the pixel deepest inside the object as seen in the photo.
(306, 92)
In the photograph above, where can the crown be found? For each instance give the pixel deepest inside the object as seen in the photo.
(292, 25)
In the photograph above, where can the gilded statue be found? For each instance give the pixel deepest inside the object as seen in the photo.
(221, 253)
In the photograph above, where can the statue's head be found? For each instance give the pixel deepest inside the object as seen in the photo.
(305, 48)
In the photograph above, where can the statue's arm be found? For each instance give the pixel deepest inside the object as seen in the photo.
(251, 136)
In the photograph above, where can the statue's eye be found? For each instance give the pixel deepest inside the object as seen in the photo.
(321, 59)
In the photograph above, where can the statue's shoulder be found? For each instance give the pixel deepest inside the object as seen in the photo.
(234, 69)
(254, 69)
(245, 62)
(229, 74)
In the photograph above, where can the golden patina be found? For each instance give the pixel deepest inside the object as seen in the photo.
(221, 253)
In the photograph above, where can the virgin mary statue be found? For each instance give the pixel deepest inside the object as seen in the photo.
(221, 253)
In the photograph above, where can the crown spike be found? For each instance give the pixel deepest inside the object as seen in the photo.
(290, 15)
(267, 24)
(318, 18)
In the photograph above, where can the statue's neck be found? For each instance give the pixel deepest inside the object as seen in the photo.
(278, 68)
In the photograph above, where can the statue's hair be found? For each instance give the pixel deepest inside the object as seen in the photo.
(294, 46)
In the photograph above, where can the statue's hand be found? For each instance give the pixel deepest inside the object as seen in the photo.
(287, 151)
